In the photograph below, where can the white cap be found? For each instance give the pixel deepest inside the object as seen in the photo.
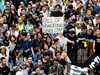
(34, 5)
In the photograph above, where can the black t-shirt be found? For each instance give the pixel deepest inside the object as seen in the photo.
(83, 44)
(45, 70)
(62, 62)
(56, 14)
(67, 13)
(97, 43)
(69, 45)
(4, 71)
(36, 43)
(48, 64)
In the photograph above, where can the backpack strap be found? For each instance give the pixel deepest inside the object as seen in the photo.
(5, 27)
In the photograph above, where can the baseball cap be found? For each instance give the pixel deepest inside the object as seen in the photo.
(34, 5)
(54, 68)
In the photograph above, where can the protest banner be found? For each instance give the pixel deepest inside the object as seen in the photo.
(52, 24)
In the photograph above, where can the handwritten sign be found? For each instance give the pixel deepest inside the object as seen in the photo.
(52, 24)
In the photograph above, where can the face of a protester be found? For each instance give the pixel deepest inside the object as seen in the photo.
(44, 8)
(48, 39)
(23, 11)
(34, 8)
(97, 32)
(12, 39)
(3, 50)
(58, 49)
(78, 1)
(30, 60)
(12, 7)
(4, 18)
(28, 36)
(28, 22)
(46, 57)
(4, 61)
(58, 55)
(21, 4)
(90, 2)
(46, 46)
(8, 4)
(7, 11)
(39, 63)
(58, 42)
(23, 17)
(20, 20)
(79, 25)
(90, 22)
(29, 7)
(96, 16)
(22, 36)
(91, 73)
(84, 7)
(57, 8)
(84, 31)
(23, 66)
(1, 21)
(54, 73)
(38, 70)
(95, 2)
(39, 35)
(55, 63)
(89, 12)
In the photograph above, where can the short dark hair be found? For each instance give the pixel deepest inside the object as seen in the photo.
(70, 6)
(72, 32)
(29, 4)
(58, 6)
(38, 33)
(12, 36)
(19, 46)
(30, 20)
(2, 58)
(57, 53)
(84, 27)
(56, 40)
(4, 15)
(24, 33)
(46, 53)
(23, 9)
(55, 59)
(36, 49)
(39, 59)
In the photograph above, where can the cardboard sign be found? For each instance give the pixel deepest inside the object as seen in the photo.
(52, 24)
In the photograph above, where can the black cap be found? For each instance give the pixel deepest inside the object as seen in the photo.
(86, 18)
(54, 68)
(73, 20)
(70, 6)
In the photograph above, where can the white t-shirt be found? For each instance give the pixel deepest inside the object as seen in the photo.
(77, 31)
(63, 42)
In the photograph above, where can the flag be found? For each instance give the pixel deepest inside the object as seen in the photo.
(92, 63)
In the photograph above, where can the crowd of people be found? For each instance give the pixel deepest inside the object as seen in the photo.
(25, 50)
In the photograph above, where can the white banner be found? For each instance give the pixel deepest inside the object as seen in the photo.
(52, 24)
